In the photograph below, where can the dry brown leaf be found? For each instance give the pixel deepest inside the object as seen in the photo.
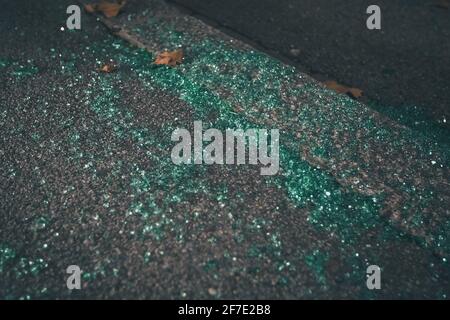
(109, 9)
(354, 92)
(169, 58)
(108, 67)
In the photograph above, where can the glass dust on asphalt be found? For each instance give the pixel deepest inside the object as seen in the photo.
(254, 82)
(231, 88)
(18, 69)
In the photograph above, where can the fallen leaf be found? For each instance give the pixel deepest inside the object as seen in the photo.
(169, 58)
(109, 9)
(353, 92)
(108, 67)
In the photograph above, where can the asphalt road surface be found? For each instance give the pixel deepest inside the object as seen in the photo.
(87, 178)
(405, 65)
